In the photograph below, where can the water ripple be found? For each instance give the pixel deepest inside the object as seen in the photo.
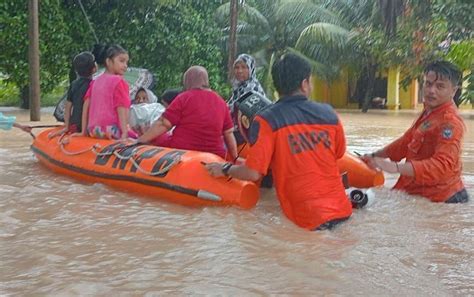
(62, 237)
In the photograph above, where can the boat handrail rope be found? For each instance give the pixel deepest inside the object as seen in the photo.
(175, 161)
(69, 153)
(94, 148)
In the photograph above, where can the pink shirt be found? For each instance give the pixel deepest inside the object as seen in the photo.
(106, 93)
(200, 118)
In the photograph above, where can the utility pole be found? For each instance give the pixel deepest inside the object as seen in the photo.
(33, 60)
(234, 12)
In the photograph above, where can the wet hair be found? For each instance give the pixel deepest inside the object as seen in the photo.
(289, 72)
(169, 95)
(84, 64)
(104, 52)
(444, 69)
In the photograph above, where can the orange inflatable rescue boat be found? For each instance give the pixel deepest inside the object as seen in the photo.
(175, 175)
(359, 175)
(172, 174)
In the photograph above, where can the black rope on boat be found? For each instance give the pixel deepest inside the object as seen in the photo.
(117, 152)
(45, 126)
(39, 126)
(238, 154)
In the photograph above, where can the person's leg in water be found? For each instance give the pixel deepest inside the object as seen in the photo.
(460, 197)
(267, 180)
(330, 225)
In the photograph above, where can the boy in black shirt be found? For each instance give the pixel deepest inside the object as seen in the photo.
(85, 66)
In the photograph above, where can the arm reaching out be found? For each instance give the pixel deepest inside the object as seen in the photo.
(85, 115)
(123, 120)
(231, 143)
(24, 128)
(238, 171)
(161, 126)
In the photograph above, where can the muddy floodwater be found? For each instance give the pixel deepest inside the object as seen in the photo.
(64, 237)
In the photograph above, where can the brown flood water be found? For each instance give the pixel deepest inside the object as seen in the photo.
(62, 237)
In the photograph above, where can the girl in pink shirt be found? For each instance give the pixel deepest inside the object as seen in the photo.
(107, 101)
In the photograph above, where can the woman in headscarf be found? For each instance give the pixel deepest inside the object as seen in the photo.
(245, 78)
(200, 117)
(244, 81)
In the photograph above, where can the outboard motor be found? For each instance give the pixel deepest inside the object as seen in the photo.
(360, 198)
(246, 108)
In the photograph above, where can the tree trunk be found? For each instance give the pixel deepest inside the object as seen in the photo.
(24, 97)
(33, 60)
(234, 11)
(371, 69)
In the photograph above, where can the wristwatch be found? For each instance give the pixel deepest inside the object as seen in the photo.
(226, 168)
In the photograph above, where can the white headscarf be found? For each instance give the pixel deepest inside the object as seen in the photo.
(151, 97)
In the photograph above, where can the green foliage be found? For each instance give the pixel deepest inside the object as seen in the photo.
(267, 29)
(166, 37)
(468, 94)
(52, 97)
(459, 15)
(8, 93)
(54, 43)
(462, 54)
(13, 48)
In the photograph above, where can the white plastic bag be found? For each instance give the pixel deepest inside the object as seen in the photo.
(142, 116)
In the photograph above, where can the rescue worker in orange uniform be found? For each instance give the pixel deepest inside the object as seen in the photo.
(301, 141)
(432, 146)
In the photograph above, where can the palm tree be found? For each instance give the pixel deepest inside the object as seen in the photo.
(327, 33)
(332, 34)
(234, 9)
(351, 45)
(390, 11)
(270, 28)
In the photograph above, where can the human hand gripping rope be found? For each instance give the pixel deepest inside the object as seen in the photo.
(378, 163)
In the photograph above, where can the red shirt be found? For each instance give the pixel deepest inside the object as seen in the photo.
(433, 146)
(200, 118)
(301, 141)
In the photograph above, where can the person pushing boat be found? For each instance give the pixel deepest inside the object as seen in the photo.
(432, 146)
(301, 141)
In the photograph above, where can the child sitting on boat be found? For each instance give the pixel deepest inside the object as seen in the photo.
(84, 65)
(145, 110)
(107, 101)
(168, 96)
(144, 95)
